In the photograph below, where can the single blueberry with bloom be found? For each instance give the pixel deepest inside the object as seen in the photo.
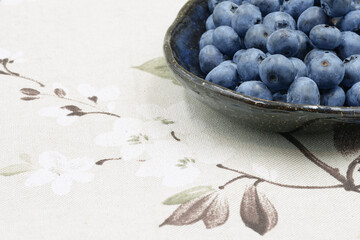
(209, 58)
(246, 16)
(248, 64)
(277, 72)
(223, 13)
(60, 172)
(353, 96)
(226, 40)
(327, 71)
(277, 20)
(310, 18)
(283, 41)
(255, 89)
(303, 91)
(332, 97)
(352, 71)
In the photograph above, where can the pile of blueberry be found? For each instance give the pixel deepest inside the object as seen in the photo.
(295, 51)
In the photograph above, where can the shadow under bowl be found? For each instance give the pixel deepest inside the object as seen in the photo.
(181, 53)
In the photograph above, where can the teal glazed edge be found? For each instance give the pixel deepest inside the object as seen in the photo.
(245, 107)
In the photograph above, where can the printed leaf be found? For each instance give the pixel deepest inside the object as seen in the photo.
(29, 98)
(29, 91)
(347, 139)
(72, 108)
(257, 212)
(60, 92)
(218, 212)
(187, 195)
(158, 67)
(191, 211)
(15, 169)
(25, 157)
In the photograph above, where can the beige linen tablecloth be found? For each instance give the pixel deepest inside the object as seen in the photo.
(98, 142)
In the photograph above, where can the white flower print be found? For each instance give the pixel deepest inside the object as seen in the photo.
(107, 94)
(204, 146)
(60, 172)
(61, 115)
(132, 135)
(16, 57)
(169, 165)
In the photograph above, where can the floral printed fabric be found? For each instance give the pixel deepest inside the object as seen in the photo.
(98, 139)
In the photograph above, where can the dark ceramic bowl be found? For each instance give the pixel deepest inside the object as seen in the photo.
(181, 53)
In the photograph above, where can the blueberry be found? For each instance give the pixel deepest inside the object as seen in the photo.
(224, 75)
(246, 16)
(303, 91)
(327, 71)
(210, 23)
(316, 53)
(212, 3)
(351, 21)
(256, 37)
(223, 13)
(237, 55)
(206, 39)
(310, 18)
(332, 97)
(266, 6)
(300, 67)
(304, 45)
(325, 37)
(255, 89)
(353, 95)
(226, 40)
(248, 64)
(280, 96)
(283, 41)
(277, 72)
(336, 8)
(352, 70)
(296, 7)
(278, 20)
(350, 44)
(209, 58)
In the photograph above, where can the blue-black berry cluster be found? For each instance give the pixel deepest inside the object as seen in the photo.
(295, 51)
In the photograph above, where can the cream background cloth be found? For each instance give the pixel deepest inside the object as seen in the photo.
(76, 44)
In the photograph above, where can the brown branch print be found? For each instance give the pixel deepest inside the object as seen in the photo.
(33, 94)
(5, 62)
(256, 210)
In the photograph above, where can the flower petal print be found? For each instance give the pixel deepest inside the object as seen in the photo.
(178, 118)
(166, 166)
(132, 135)
(16, 57)
(60, 172)
(60, 114)
(106, 94)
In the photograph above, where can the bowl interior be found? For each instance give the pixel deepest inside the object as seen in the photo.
(186, 36)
